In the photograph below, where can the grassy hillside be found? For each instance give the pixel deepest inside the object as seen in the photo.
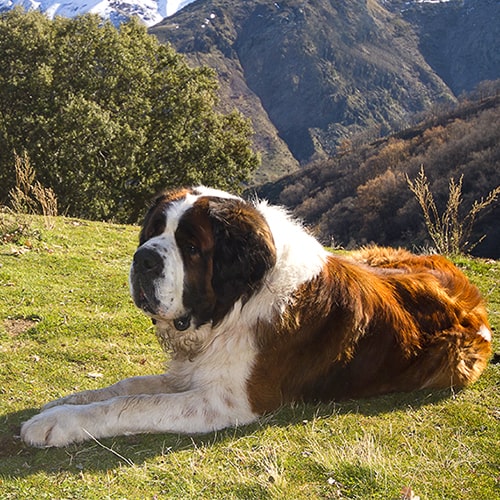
(67, 323)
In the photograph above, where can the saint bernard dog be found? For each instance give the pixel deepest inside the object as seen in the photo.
(255, 314)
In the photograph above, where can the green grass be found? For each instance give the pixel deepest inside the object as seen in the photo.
(65, 316)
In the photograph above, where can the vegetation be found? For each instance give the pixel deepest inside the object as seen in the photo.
(450, 234)
(29, 196)
(67, 323)
(107, 117)
(361, 195)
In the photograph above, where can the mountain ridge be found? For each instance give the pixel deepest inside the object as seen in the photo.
(311, 74)
(459, 39)
(150, 12)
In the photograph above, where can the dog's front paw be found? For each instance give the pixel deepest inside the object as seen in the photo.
(59, 426)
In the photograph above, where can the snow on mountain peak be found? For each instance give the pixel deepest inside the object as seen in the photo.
(117, 11)
(172, 6)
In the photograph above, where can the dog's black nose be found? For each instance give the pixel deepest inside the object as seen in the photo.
(148, 261)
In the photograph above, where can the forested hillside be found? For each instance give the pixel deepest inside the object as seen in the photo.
(362, 196)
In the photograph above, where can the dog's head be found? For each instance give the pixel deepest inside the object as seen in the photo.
(200, 251)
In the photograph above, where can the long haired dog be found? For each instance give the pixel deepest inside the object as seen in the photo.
(256, 314)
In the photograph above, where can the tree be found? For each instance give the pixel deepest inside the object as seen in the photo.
(110, 116)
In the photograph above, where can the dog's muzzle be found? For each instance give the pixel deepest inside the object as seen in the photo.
(147, 267)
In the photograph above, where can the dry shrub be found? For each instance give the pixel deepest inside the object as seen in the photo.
(450, 233)
(29, 196)
(21, 200)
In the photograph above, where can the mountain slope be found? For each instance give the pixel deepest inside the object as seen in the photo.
(310, 74)
(362, 196)
(321, 70)
(459, 39)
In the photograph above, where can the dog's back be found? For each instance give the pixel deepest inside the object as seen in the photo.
(450, 313)
(377, 321)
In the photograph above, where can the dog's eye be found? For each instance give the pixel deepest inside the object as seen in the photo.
(192, 250)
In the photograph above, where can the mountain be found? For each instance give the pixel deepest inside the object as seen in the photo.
(311, 74)
(117, 11)
(459, 39)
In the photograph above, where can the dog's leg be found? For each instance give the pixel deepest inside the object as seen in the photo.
(195, 411)
(149, 384)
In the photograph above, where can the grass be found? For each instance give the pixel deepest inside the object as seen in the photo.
(67, 323)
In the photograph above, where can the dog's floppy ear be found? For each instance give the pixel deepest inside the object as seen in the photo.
(154, 221)
(244, 250)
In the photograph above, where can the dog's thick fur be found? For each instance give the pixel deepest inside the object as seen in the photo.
(256, 314)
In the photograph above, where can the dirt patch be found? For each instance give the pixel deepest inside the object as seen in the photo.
(18, 326)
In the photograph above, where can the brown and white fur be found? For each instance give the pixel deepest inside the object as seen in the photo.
(256, 314)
